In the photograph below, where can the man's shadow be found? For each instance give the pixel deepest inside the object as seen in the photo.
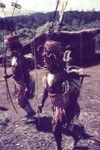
(43, 124)
(3, 108)
(77, 132)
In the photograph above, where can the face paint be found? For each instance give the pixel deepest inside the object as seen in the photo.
(51, 55)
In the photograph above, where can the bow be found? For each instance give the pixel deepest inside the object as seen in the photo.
(7, 85)
(63, 4)
(2, 6)
(51, 28)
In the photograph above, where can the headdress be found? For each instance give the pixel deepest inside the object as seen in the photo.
(52, 46)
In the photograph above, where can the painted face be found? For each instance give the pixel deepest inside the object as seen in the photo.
(13, 43)
(51, 55)
(50, 60)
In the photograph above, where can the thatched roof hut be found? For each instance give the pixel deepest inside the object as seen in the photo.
(82, 43)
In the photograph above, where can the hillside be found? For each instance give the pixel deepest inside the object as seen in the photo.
(30, 26)
(75, 19)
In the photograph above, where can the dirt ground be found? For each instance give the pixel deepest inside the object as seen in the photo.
(16, 135)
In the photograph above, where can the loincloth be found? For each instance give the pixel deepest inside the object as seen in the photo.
(20, 90)
(58, 107)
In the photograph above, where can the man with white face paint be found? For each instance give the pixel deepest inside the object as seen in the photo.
(56, 76)
(63, 85)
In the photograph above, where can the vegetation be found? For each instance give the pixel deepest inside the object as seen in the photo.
(29, 26)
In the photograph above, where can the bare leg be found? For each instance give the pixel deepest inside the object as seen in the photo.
(58, 135)
(25, 105)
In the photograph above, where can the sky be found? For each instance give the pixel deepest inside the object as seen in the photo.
(30, 6)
